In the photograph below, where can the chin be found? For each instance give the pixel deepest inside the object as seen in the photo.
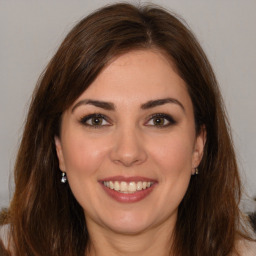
(129, 224)
(128, 229)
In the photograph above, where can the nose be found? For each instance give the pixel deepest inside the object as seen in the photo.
(129, 148)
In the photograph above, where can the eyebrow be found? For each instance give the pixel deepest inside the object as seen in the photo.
(159, 102)
(111, 106)
(96, 103)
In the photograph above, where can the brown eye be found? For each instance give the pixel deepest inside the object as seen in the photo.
(95, 120)
(160, 120)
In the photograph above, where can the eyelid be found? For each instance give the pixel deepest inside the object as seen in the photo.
(83, 120)
(169, 118)
(171, 121)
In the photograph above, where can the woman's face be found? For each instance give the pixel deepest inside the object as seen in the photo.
(128, 144)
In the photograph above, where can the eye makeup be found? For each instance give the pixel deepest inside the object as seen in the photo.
(160, 120)
(98, 120)
(95, 120)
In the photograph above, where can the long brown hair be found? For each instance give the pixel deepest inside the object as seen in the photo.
(44, 216)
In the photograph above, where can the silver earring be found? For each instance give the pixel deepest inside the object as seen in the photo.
(196, 171)
(63, 177)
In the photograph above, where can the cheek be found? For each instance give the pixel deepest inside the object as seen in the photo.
(172, 160)
(174, 154)
(174, 163)
(82, 155)
(83, 158)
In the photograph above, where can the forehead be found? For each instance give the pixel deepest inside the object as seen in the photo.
(138, 75)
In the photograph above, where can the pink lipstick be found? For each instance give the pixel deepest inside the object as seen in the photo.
(128, 189)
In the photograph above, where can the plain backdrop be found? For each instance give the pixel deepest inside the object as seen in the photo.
(30, 32)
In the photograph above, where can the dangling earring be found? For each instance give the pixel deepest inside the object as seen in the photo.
(196, 171)
(63, 177)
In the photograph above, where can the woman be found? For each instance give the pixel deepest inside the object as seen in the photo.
(126, 148)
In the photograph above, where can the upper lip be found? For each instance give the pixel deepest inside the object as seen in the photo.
(127, 179)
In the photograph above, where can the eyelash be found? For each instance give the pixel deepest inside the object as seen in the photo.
(85, 119)
(167, 117)
(103, 118)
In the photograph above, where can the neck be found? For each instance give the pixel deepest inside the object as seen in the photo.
(154, 241)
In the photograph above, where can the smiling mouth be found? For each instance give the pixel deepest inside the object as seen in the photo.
(128, 187)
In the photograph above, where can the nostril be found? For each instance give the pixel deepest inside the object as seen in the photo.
(128, 148)
(128, 158)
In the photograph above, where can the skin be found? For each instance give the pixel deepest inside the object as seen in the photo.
(129, 143)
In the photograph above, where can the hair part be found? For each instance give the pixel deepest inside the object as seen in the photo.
(208, 217)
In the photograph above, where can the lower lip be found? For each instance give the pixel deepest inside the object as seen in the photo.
(128, 197)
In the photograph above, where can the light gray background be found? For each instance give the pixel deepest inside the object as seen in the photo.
(30, 32)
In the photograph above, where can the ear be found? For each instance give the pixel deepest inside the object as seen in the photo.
(198, 149)
(59, 151)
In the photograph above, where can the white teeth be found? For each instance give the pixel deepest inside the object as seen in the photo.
(116, 186)
(132, 187)
(127, 187)
(139, 185)
(106, 183)
(123, 186)
(111, 184)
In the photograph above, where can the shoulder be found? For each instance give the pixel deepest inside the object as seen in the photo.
(4, 232)
(246, 248)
